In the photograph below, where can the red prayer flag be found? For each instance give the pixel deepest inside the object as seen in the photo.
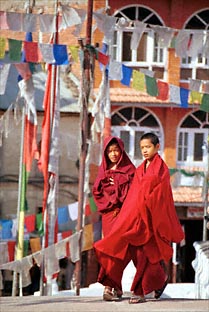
(11, 250)
(32, 53)
(30, 223)
(102, 58)
(163, 90)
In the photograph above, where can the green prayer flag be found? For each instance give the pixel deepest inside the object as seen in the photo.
(15, 47)
(93, 206)
(151, 85)
(205, 103)
(39, 223)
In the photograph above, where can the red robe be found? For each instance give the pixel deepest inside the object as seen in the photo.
(109, 198)
(144, 231)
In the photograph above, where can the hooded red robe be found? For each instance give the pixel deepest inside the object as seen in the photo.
(110, 197)
(144, 231)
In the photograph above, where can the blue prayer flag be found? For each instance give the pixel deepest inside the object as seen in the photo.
(184, 94)
(127, 74)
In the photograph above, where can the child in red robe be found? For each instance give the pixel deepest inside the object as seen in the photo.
(111, 187)
(145, 228)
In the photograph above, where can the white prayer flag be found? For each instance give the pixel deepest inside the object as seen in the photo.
(29, 22)
(175, 94)
(115, 70)
(139, 28)
(4, 72)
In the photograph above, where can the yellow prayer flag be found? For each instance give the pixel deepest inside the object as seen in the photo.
(74, 52)
(88, 237)
(2, 47)
(35, 244)
(195, 97)
(138, 81)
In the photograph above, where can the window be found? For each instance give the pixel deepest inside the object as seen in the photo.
(129, 124)
(149, 53)
(196, 67)
(192, 137)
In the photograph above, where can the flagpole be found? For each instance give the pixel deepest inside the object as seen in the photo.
(84, 136)
(50, 217)
(18, 243)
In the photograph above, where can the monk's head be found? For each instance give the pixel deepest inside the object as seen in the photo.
(149, 145)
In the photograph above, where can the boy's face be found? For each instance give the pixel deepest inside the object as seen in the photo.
(148, 149)
(114, 153)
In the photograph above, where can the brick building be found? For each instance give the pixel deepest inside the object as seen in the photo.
(182, 128)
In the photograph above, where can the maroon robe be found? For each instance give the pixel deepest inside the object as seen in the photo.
(109, 198)
(144, 231)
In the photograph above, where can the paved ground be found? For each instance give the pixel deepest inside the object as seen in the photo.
(94, 304)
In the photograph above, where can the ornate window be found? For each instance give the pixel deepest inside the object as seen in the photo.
(129, 124)
(196, 67)
(149, 54)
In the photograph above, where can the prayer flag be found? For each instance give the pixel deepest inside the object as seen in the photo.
(30, 223)
(63, 215)
(3, 20)
(138, 81)
(60, 54)
(151, 85)
(32, 53)
(15, 47)
(184, 93)
(2, 47)
(163, 90)
(92, 204)
(127, 73)
(88, 238)
(175, 94)
(204, 106)
(74, 52)
(195, 97)
(103, 59)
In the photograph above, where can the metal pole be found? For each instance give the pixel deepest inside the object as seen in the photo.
(14, 284)
(205, 196)
(84, 136)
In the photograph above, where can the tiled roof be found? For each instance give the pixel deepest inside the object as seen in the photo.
(129, 95)
(186, 195)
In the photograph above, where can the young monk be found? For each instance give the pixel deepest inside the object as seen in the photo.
(145, 228)
(110, 189)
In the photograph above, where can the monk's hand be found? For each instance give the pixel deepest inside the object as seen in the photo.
(111, 181)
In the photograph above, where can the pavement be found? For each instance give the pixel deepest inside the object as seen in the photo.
(95, 303)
